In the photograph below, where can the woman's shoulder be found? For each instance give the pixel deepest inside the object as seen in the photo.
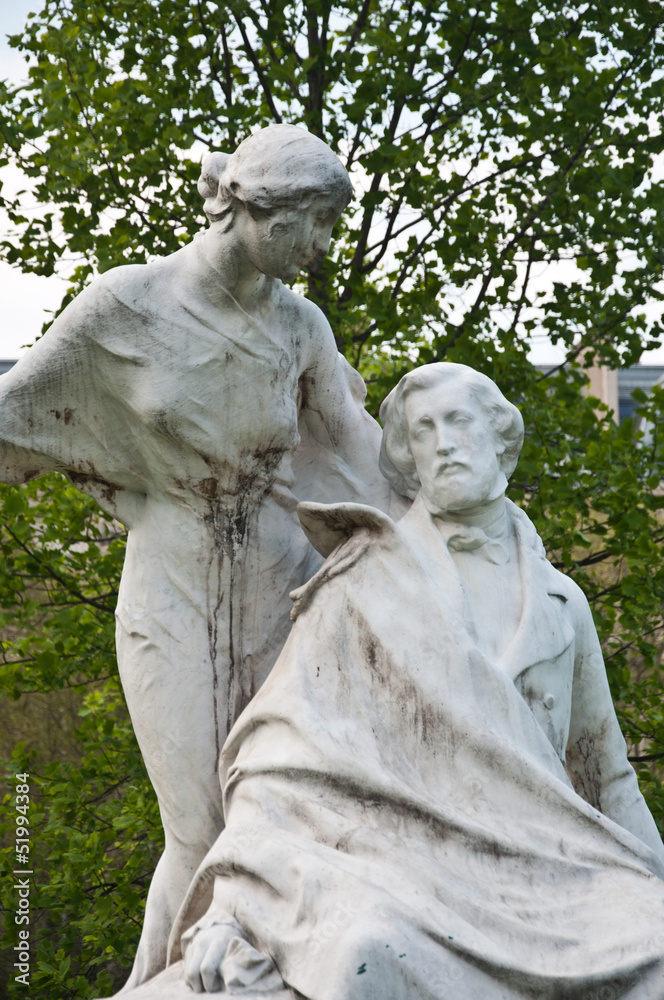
(136, 278)
(301, 310)
(111, 309)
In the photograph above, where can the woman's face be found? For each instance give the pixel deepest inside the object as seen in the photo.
(282, 242)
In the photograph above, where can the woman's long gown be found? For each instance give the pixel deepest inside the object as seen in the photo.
(188, 424)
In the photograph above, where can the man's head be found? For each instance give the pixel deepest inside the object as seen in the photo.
(449, 432)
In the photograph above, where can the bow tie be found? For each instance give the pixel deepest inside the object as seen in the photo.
(460, 538)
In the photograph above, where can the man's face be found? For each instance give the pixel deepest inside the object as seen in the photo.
(281, 243)
(454, 447)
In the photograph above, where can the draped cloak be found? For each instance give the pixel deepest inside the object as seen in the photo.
(400, 824)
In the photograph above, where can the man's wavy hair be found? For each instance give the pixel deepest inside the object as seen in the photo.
(396, 461)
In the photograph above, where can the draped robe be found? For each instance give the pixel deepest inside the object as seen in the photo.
(405, 821)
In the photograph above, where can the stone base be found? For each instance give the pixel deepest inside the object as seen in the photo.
(170, 985)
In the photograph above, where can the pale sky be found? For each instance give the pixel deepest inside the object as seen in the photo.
(25, 299)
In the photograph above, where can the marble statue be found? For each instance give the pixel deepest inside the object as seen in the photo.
(430, 797)
(198, 398)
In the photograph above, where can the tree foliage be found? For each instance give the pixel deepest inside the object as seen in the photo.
(95, 833)
(503, 154)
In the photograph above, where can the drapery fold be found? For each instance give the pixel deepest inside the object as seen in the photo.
(399, 824)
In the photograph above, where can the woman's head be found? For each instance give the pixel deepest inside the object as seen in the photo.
(279, 167)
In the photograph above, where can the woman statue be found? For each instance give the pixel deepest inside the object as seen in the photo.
(197, 398)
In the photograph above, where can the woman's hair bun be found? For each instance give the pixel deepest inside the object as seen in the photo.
(212, 168)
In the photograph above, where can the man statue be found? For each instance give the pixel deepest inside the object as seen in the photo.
(430, 797)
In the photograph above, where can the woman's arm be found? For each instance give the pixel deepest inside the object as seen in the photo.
(60, 408)
(338, 435)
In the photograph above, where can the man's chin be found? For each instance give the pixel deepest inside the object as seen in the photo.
(451, 502)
